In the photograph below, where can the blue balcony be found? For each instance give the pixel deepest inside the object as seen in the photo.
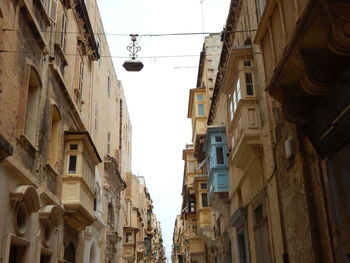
(215, 147)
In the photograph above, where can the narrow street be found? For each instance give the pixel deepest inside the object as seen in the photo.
(204, 131)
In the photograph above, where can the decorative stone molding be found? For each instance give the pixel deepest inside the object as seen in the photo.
(27, 194)
(321, 70)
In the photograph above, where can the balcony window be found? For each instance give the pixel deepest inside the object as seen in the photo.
(247, 63)
(219, 155)
(218, 139)
(200, 109)
(72, 168)
(249, 84)
(260, 6)
(234, 98)
(191, 167)
(51, 8)
(129, 238)
(204, 197)
(199, 97)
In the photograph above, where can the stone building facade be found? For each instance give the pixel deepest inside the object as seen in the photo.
(276, 147)
(65, 135)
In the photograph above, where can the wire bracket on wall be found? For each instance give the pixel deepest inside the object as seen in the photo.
(133, 64)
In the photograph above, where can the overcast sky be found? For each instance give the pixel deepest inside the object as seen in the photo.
(157, 97)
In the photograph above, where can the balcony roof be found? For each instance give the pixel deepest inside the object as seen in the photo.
(84, 135)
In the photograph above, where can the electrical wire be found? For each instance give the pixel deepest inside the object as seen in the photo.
(112, 56)
(140, 35)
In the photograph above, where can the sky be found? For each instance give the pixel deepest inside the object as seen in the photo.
(157, 97)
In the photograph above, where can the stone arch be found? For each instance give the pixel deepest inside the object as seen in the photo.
(27, 194)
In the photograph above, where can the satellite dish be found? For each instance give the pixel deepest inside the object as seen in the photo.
(133, 64)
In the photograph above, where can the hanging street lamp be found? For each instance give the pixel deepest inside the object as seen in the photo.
(133, 64)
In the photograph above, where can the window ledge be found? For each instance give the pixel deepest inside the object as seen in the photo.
(28, 145)
(60, 52)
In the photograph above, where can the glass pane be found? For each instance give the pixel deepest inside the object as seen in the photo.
(204, 200)
(219, 155)
(218, 139)
(249, 83)
(73, 147)
(199, 97)
(72, 168)
(200, 109)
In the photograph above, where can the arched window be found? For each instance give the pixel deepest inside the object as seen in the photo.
(55, 138)
(69, 253)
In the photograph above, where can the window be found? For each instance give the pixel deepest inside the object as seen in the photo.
(51, 8)
(69, 253)
(109, 87)
(249, 83)
(191, 167)
(219, 155)
(218, 139)
(108, 142)
(204, 199)
(234, 98)
(203, 186)
(32, 106)
(200, 109)
(128, 237)
(96, 117)
(194, 230)
(192, 204)
(81, 76)
(258, 214)
(199, 97)
(72, 167)
(260, 7)
(55, 138)
(247, 63)
(63, 32)
(242, 248)
(73, 147)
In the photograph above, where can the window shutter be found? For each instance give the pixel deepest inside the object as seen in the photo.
(53, 10)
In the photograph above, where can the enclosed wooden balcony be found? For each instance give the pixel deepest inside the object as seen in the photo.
(78, 179)
(245, 134)
(216, 150)
(197, 111)
(129, 243)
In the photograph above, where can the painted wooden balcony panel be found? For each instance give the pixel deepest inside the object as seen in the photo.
(216, 149)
